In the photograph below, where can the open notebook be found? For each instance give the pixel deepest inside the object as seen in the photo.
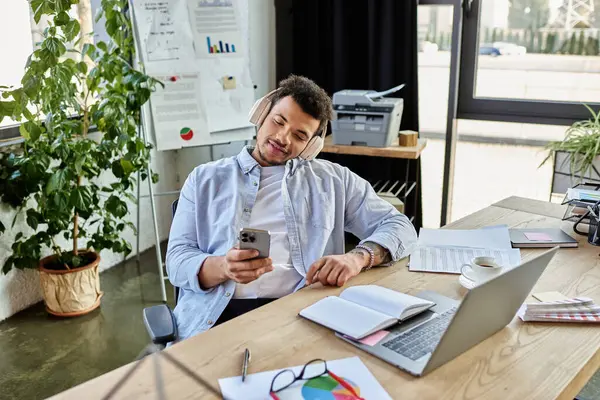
(362, 310)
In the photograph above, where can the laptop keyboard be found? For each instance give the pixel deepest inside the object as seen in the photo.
(421, 340)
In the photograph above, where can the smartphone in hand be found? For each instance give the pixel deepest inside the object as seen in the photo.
(256, 239)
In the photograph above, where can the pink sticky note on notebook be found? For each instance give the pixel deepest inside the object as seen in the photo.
(374, 338)
(538, 236)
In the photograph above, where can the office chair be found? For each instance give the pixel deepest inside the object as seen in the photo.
(159, 320)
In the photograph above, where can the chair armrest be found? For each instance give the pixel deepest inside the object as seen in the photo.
(160, 324)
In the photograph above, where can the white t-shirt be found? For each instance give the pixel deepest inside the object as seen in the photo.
(268, 214)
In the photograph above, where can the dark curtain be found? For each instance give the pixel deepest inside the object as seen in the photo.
(355, 44)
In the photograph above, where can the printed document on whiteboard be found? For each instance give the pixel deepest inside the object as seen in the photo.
(164, 30)
(177, 113)
(216, 28)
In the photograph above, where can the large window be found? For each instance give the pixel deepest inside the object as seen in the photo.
(435, 23)
(530, 60)
(15, 46)
(19, 35)
(495, 146)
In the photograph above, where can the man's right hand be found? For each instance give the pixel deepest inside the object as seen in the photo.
(239, 266)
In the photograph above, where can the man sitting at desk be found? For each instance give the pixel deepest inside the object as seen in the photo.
(306, 205)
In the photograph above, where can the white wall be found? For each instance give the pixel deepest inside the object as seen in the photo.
(20, 289)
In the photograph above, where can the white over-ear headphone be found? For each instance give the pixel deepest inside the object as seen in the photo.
(261, 109)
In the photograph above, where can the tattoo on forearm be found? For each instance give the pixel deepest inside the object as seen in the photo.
(382, 255)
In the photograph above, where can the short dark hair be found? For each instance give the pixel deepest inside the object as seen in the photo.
(311, 98)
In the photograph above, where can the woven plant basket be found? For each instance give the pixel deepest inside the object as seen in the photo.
(70, 293)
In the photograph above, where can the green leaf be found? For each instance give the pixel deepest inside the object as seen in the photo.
(71, 30)
(81, 199)
(2, 228)
(82, 67)
(33, 219)
(111, 26)
(89, 50)
(102, 46)
(30, 84)
(60, 202)
(76, 261)
(126, 248)
(117, 247)
(18, 236)
(99, 14)
(79, 164)
(154, 177)
(62, 5)
(77, 200)
(54, 46)
(23, 131)
(8, 264)
(61, 19)
(7, 108)
(34, 130)
(132, 226)
(117, 169)
(57, 181)
(27, 114)
(128, 167)
(44, 238)
(47, 58)
(28, 62)
(116, 206)
(37, 6)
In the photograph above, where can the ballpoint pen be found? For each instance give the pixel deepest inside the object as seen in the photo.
(245, 364)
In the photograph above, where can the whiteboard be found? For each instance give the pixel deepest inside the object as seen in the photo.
(198, 50)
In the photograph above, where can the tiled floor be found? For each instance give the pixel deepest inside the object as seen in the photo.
(42, 355)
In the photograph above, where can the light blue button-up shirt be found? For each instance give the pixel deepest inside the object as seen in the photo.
(320, 199)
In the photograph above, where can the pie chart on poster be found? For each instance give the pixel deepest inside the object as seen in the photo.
(186, 133)
(321, 388)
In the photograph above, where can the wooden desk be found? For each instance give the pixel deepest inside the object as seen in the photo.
(522, 361)
(533, 206)
(410, 153)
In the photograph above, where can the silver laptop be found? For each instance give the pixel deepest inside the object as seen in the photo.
(434, 337)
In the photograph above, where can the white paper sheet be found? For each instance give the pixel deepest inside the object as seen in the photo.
(216, 28)
(226, 108)
(450, 259)
(177, 111)
(352, 369)
(164, 30)
(497, 237)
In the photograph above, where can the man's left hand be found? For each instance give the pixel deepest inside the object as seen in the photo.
(336, 270)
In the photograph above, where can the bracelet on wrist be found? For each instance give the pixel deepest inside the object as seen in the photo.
(371, 256)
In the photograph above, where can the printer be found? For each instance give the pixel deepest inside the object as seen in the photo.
(366, 118)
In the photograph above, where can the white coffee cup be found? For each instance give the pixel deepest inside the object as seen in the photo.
(481, 269)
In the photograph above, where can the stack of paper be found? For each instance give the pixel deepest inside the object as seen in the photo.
(352, 370)
(577, 309)
(583, 194)
(446, 250)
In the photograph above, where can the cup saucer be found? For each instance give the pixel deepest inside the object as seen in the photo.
(466, 282)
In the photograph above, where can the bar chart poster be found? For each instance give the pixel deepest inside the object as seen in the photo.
(216, 28)
(214, 48)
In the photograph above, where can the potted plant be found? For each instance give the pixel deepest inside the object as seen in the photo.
(79, 108)
(579, 148)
